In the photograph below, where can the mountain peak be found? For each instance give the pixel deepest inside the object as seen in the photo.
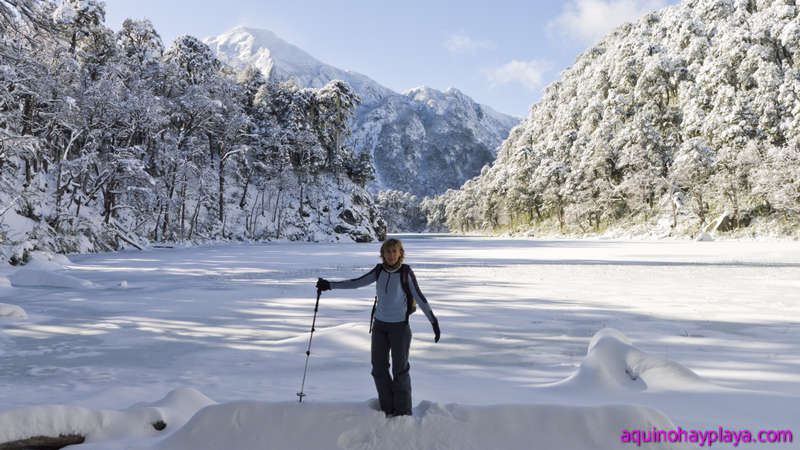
(423, 141)
(427, 91)
(243, 46)
(279, 61)
(450, 99)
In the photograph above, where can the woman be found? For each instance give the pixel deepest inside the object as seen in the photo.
(396, 289)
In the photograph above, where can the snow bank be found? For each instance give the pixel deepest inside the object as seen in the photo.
(43, 271)
(612, 363)
(12, 312)
(47, 261)
(18, 226)
(704, 237)
(97, 425)
(251, 425)
(317, 426)
(31, 277)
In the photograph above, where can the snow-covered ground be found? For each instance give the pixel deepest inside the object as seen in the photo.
(545, 344)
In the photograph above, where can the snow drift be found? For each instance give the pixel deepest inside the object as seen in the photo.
(612, 363)
(27, 277)
(12, 312)
(251, 425)
(289, 425)
(46, 270)
(99, 425)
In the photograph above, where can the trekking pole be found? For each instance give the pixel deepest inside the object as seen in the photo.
(308, 351)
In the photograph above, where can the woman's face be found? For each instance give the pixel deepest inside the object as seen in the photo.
(391, 255)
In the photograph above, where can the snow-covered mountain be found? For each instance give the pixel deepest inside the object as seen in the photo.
(279, 61)
(423, 141)
(427, 141)
(684, 120)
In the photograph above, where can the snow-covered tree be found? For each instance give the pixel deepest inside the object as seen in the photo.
(107, 139)
(139, 41)
(679, 116)
(401, 211)
(335, 107)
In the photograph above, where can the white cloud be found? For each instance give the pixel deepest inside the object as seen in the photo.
(528, 73)
(460, 43)
(586, 21)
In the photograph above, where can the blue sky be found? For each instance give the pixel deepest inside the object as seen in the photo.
(499, 52)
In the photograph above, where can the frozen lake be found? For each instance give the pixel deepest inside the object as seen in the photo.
(517, 316)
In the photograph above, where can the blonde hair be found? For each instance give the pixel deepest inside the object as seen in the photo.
(389, 243)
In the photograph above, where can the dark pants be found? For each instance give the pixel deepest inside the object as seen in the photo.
(394, 392)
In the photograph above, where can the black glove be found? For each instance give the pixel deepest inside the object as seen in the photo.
(323, 284)
(436, 331)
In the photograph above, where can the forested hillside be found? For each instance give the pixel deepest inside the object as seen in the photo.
(422, 141)
(663, 126)
(111, 139)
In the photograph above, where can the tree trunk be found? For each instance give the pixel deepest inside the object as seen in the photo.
(193, 224)
(300, 210)
(73, 42)
(28, 174)
(59, 193)
(278, 227)
(701, 210)
(108, 204)
(158, 221)
(183, 207)
(277, 200)
(252, 217)
(43, 442)
(221, 197)
(173, 177)
(674, 208)
(27, 116)
(263, 194)
(243, 200)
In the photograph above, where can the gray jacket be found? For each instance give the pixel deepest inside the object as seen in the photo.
(391, 305)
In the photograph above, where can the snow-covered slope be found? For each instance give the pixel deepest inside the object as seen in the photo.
(279, 60)
(667, 123)
(423, 141)
(427, 141)
(252, 425)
